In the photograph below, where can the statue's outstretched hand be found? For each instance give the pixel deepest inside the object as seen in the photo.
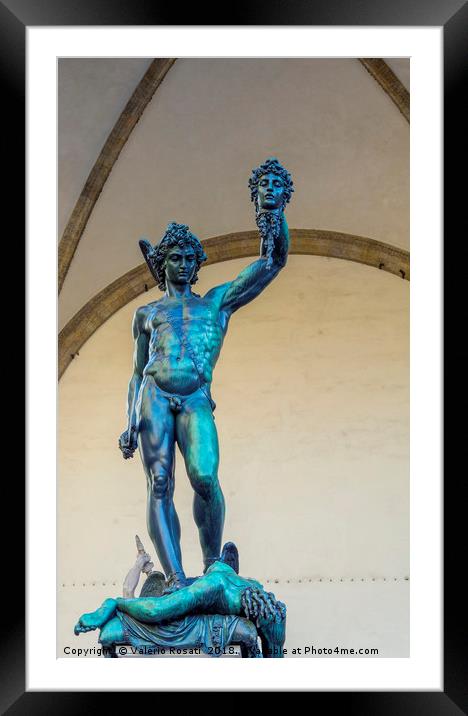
(128, 442)
(144, 563)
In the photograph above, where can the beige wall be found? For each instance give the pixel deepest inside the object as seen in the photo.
(313, 417)
(91, 94)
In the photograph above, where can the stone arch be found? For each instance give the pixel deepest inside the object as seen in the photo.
(314, 242)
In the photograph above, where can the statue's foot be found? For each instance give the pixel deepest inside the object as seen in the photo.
(175, 582)
(229, 555)
(88, 622)
(96, 619)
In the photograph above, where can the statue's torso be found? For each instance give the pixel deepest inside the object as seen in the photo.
(171, 363)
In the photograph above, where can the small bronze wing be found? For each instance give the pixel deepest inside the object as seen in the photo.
(148, 252)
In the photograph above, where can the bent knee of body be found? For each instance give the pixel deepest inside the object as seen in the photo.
(248, 629)
(204, 483)
(246, 633)
(111, 633)
(160, 483)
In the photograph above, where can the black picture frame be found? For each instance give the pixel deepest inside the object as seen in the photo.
(452, 15)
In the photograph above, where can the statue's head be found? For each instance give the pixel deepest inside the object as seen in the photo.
(177, 257)
(258, 604)
(270, 185)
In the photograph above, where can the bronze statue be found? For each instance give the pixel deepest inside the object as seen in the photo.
(178, 339)
(180, 618)
(214, 634)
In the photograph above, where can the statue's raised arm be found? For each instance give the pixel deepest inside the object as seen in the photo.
(271, 188)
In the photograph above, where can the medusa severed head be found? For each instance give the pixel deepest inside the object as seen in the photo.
(177, 235)
(256, 604)
(270, 185)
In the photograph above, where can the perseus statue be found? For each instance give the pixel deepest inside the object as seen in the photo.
(178, 339)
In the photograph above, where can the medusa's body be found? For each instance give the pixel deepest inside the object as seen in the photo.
(219, 591)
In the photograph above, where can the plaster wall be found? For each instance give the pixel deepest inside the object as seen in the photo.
(313, 421)
(91, 94)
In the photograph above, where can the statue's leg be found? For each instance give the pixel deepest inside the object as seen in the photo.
(111, 634)
(245, 634)
(272, 636)
(198, 441)
(97, 619)
(156, 439)
(174, 518)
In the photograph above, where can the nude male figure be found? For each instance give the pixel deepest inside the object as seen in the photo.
(178, 340)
